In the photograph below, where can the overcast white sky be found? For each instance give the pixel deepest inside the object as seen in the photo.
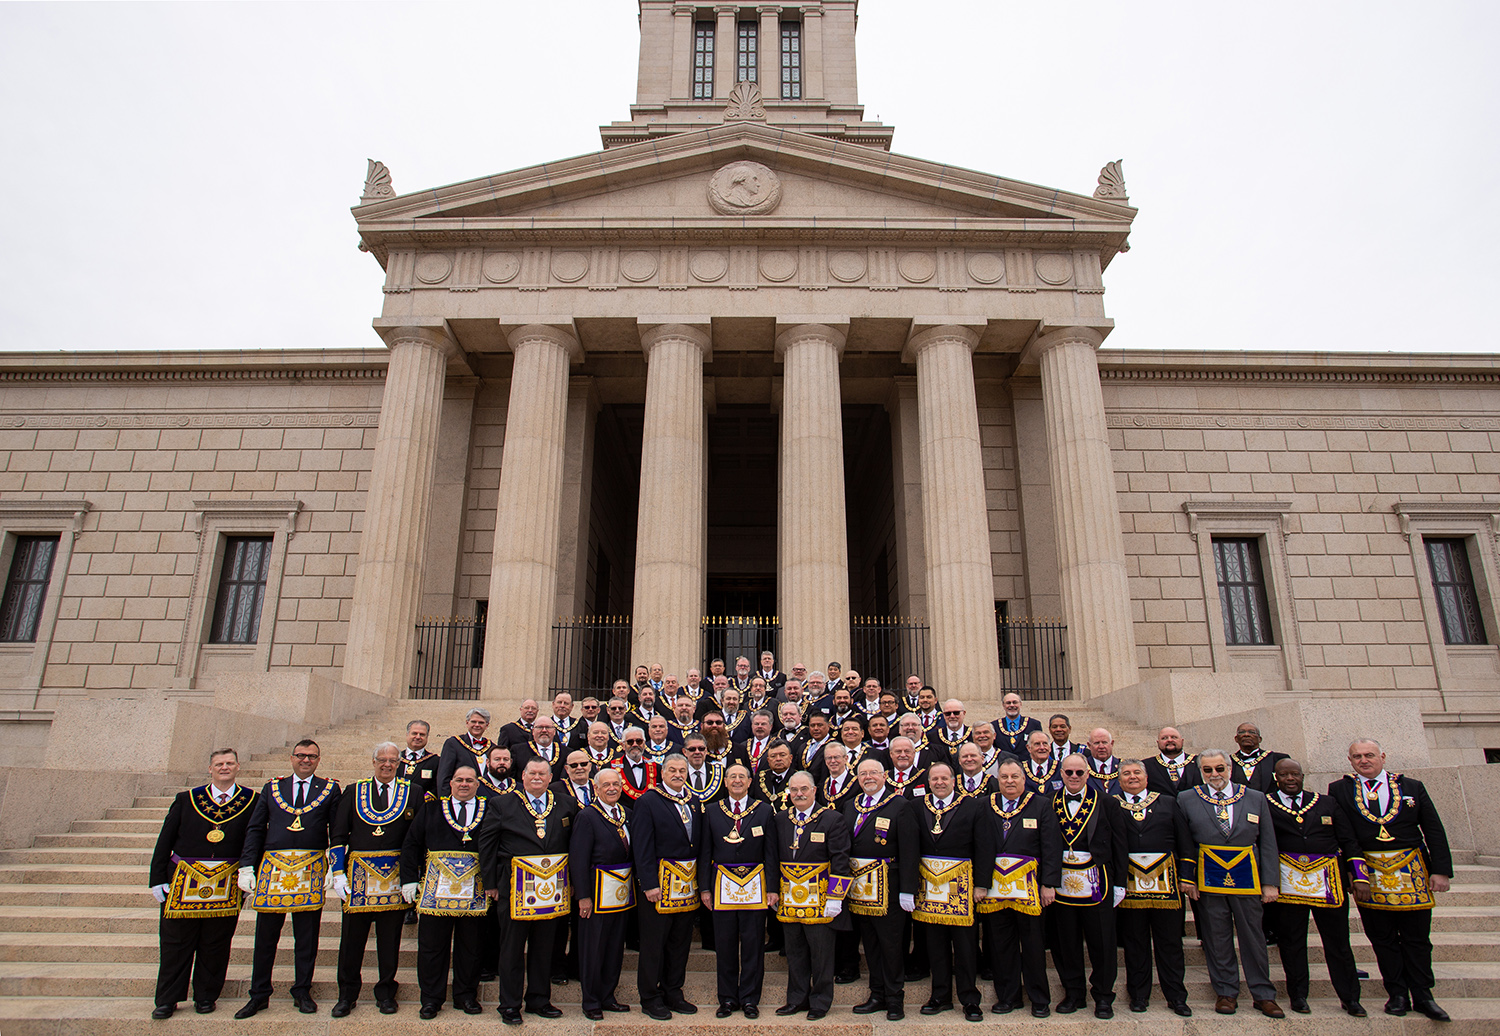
(1311, 175)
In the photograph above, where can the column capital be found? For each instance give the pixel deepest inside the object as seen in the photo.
(925, 334)
(812, 10)
(684, 10)
(765, 9)
(1051, 338)
(654, 330)
(726, 9)
(791, 331)
(564, 336)
(432, 332)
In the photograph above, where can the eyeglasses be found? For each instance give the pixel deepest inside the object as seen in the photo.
(1215, 769)
(713, 723)
(305, 757)
(953, 712)
(697, 748)
(584, 763)
(635, 741)
(1074, 773)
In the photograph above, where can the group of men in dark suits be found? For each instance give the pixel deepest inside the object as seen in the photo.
(825, 826)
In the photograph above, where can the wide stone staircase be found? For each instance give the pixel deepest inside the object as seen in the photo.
(78, 947)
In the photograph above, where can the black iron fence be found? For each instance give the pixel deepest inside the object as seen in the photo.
(589, 653)
(888, 648)
(1033, 658)
(729, 636)
(450, 653)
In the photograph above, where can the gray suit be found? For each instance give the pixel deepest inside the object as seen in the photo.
(1222, 914)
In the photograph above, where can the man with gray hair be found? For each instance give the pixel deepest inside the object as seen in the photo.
(1230, 865)
(665, 835)
(419, 765)
(470, 748)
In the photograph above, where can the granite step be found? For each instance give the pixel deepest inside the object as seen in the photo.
(145, 825)
(97, 840)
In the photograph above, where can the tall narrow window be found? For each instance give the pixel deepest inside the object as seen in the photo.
(1453, 583)
(242, 590)
(1002, 631)
(703, 61)
(747, 56)
(791, 61)
(1242, 592)
(26, 587)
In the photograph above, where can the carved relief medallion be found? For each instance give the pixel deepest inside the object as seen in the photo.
(744, 189)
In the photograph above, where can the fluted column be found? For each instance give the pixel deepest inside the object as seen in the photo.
(813, 584)
(1090, 544)
(398, 505)
(963, 657)
(523, 571)
(768, 46)
(726, 47)
(669, 544)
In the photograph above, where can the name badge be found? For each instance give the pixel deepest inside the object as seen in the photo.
(1254, 818)
(757, 831)
(917, 793)
(426, 775)
(1327, 821)
(816, 836)
(882, 823)
(566, 821)
(1028, 822)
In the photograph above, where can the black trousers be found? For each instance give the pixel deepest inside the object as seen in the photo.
(196, 947)
(1158, 933)
(489, 940)
(665, 942)
(439, 940)
(953, 953)
(565, 946)
(809, 965)
(1093, 926)
(601, 952)
(916, 938)
(526, 954)
(739, 939)
(305, 927)
(1017, 945)
(846, 952)
(885, 954)
(356, 934)
(1403, 948)
(1290, 925)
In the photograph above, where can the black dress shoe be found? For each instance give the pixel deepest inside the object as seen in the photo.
(986, 975)
(1181, 1010)
(813, 1016)
(724, 1011)
(895, 1012)
(251, 1009)
(559, 980)
(1139, 1006)
(1068, 1006)
(593, 1014)
(1040, 1011)
(387, 1006)
(1397, 1005)
(429, 1011)
(1299, 1005)
(305, 1004)
(488, 976)
(869, 1006)
(789, 1009)
(164, 1011)
(1361, 973)
(205, 1006)
(615, 1006)
(937, 1006)
(915, 975)
(472, 1007)
(1431, 1010)
(1001, 1007)
(1354, 1010)
(545, 1011)
(659, 1012)
(752, 1011)
(683, 1007)
(342, 1008)
(510, 1015)
(1105, 1011)
(411, 916)
(843, 978)
(972, 1013)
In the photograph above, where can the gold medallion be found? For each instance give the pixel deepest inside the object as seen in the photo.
(215, 835)
(296, 824)
(379, 830)
(466, 837)
(734, 837)
(937, 828)
(541, 829)
(1384, 835)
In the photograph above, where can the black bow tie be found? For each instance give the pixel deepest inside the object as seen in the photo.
(1075, 798)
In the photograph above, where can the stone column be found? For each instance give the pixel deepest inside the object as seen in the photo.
(963, 655)
(577, 498)
(813, 583)
(770, 58)
(726, 43)
(523, 569)
(906, 473)
(669, 552)
(682, 51)
(1090, 545)
(812, 52)
(398, 506)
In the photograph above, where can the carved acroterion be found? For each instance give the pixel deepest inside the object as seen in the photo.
(1112, 182)
(745, 103)
(377, 182)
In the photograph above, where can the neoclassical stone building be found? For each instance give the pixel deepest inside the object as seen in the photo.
(744, 359)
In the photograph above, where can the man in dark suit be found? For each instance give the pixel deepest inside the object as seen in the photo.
(883, 853)
(664, 837)
(526, 833)
(812, 844)
(907, 776)
(451, 915)
(1313, 838)
(1254, 766)
(1027, 842)
(1150, 918)
(576, 785)
(599, 866)
(198, 850)
(950, 827)
(775, 679)
(419, 765)
(1405, 847)
(1043, 769)
(542, 744)
(284, 844)
(739, 835)
(1229, 863)
(1013, 730)
(1093, 884)
(369, 829)
(1172, 769)
(470, 747)
(519, 730)
(972, 779)
(637, 773)
(772, 778)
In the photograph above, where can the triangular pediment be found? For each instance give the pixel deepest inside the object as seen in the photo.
(667, 182)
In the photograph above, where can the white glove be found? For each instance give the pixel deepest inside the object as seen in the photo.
(833, 908)
(1119, 895)
(330, 879)
(341, 886)
(908, 901)
(247, 880)
(409, 892)
(160, 892)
